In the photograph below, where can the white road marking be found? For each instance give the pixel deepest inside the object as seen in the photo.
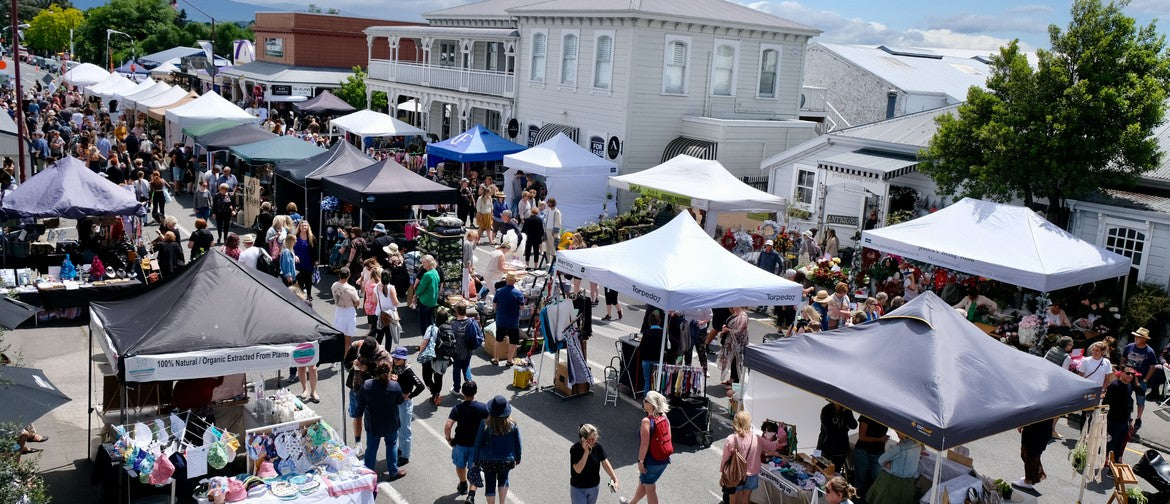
(395, 497)
(511, 494)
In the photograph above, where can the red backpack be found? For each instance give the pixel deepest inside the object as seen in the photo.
(660, 446)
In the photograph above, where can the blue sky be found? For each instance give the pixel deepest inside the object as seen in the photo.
(925, 23)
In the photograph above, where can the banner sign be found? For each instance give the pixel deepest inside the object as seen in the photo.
(666, 196)
(220, 362)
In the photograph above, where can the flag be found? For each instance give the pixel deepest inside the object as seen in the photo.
(206, 45)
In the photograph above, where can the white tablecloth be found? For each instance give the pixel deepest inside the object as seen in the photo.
(321, 496)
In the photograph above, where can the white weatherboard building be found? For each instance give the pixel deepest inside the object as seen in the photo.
(634, 81)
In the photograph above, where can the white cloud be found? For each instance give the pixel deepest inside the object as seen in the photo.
(846, 30)
(1151, 7)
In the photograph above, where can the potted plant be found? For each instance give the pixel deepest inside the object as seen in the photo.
(1136, 496)
(1005, 488)
(1077, 457)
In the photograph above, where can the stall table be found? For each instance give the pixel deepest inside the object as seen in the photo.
(56, 298)
(630, 373)
(776, 489)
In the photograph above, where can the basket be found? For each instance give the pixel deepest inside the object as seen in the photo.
(521, 377)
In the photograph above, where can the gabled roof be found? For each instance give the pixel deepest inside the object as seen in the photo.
(917, 70)
(1161, 174)
(912, 129)
(484, 8)
(708, 10)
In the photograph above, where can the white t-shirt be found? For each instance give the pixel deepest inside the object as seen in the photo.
(251, 255)
(1095, 369)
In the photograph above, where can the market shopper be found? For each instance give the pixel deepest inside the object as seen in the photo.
(378, 402)
(389, 322)
(650, 349)
(483, 215)
(553, 225)
(1096, 366)
(1117, 422)
(169, 256)
(586, 459)
(345, 304)
(158, 199)
(470, 240)
(1034, 438)
(427, 291)
(201, 239)
(411, 387)
(370, 278)
(508, 301)
(466, 336)
(461, 429)
(288, 260)
(833, 442)
(839, 491)
(533, 229)
(731, 366)
(895, 483)
(250, 254)
(1142, 357)
(750, 445)
(434, 363)
(203, 201)
(650, 466)
(497, 449)
(360, 359)
(223, 210)
(870, 446)
(306, 253)
(840, 312)
(494, 270)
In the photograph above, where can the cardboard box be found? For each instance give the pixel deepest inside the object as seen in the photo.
(960, 458)
(561, 381)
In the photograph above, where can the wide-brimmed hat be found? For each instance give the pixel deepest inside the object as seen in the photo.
(499, 407)
(400, 353)
(822, 296)
(1142, 333)
(379, 228)
(390, 249)
(500, 194)
(248, 238)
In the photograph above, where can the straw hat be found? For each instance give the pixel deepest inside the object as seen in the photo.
(822, 296)
(1142, 333)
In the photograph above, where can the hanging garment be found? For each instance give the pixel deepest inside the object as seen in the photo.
(579, 371)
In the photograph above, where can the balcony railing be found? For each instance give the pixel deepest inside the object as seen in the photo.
(812, 99)
(485, 82)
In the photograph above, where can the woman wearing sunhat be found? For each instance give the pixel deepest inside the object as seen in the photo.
(497, 449)
(411, 386)
(821, 305)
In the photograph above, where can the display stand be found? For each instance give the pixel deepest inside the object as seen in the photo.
(448, 252)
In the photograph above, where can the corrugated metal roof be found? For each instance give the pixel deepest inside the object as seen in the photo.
(937, 73)
(713, 10)
(485, 8)
(911, 129)
(1162, 172)
(1126, 199)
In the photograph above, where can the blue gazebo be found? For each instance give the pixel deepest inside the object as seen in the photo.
(474, 145)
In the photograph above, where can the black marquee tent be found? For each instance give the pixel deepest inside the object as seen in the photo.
(325, 103)
(299, 181)
(242, 134)
(195, 325)
(69, 189)
(925, 371)
(387, 185)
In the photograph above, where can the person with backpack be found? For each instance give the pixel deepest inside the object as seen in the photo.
(654, 448)
(465, 420)
(433, 354)
(739, 468)
(466, 336)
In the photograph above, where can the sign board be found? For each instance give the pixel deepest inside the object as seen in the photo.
(306, 91)
(281, 90)
(274, 47)
(842, 220)
(251, 201)
(220, 362)
(532, 131)
(613, 147)
(513, 127)
(597, 146)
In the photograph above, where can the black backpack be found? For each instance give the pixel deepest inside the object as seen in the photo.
(445, 347)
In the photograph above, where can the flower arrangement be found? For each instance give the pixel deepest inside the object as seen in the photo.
(1030, 322)
(823, 273)
(1030, 327)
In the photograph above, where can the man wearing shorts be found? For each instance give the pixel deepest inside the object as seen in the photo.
(508, 301)
(1139, 355)
(465, 417)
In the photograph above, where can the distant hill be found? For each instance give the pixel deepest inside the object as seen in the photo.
(221, 10)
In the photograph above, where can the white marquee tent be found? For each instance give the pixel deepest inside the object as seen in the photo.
(85, 74)
(699, 183)
(121, 95)
(574, 176)
(210, 107)
(367, 123)
(162, 99)
(678, 267)
(164, 69)
(129, 100)
(115, 81)
(1002, 242)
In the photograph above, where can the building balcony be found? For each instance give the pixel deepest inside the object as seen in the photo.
(812, 99)
(485, 82)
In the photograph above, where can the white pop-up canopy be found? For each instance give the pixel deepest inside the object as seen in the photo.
(367, 123)
(699, 183)
(85, 74)
(164, 69)
(129, 100)
(678, 267)
(114, 81)
(121, 95)
(574, 176)
(210, 107)
(1002, 242)
(162, 99)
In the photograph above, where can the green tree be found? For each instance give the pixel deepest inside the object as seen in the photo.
(150, 23)
(314, 8)
(1080, 121)
(49, 29)
(28, 9)
(353, 91)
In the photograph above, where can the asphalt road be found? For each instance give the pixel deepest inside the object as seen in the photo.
(547, 423)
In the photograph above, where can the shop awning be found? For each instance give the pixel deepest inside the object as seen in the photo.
(281, 148)
(693, 147)
(550, 130)
(870, 164)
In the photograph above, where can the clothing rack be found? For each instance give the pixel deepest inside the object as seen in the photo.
(679, 380)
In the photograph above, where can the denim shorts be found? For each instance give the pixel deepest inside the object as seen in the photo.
(749, 483)
(353, 405)
(1140, 388)
(653, 472)
(461, 456)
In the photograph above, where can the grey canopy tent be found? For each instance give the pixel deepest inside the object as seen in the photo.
(27, 395)
(14, 312)
(325, 103)
(232, 136)
(927, 372)
(69, 189)
(387, 184)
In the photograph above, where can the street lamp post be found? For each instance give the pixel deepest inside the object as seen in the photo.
(109, 56)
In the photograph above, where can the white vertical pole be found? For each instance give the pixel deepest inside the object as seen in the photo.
(937, 473)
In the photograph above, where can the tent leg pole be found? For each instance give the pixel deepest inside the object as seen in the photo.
(661, 359)
(89, 396)
(1124, 290)
(344, 423)
(937, 472)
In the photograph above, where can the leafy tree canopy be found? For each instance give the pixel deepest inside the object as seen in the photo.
(28, 9)
(48, 31)
(353, 91)
(1081, 120)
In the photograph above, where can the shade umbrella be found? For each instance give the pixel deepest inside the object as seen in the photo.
(27, 395)
(14, 312)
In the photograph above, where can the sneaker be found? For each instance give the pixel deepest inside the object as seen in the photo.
(462, 488)
(359, 449)
(623, 500)
(1022, 483)
(470, 497)
(1137, 424)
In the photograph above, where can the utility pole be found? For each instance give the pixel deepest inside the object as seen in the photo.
(20, 126)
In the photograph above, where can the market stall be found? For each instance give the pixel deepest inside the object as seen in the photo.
(130, 100)
(1002, 242)
(299, 180)
(85, 74)
(155, 106)
(699, 183)
(573, 175)
(386, 190)
(476, 145)
(942, 382)
(369, 124)
(325, 103)
(207, 108)
(112, 82)
(275, 149)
